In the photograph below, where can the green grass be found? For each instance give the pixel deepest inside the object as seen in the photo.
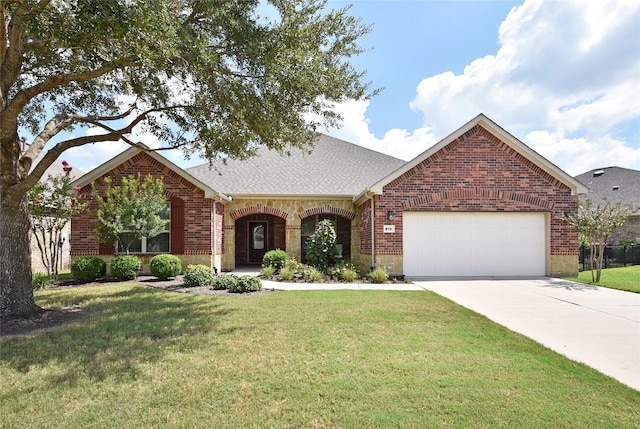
(315, 359)
(625, 278)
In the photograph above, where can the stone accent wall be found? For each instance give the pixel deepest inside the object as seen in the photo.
(291, 210)
(146, 260)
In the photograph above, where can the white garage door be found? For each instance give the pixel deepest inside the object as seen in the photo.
(473, 244)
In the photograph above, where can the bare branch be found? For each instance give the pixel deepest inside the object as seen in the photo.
(58, 124)
(49, 158)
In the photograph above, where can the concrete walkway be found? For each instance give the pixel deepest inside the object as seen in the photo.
(597, 326)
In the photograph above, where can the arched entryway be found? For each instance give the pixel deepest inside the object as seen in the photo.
(256, 234)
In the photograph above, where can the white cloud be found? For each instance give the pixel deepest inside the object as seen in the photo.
(564, 80)
(565, 76)
(567, 70)
(396, 142)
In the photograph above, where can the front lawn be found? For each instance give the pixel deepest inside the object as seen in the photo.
(143, 357)
(625, 278)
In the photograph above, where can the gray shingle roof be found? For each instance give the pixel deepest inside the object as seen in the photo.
(333, 167)
(604, 181)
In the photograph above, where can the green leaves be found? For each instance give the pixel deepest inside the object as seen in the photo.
(131, 211)
(594, 226)
(321, 246)
(226, 78)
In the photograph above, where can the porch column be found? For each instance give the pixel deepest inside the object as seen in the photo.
(294, 249)
(229, 256)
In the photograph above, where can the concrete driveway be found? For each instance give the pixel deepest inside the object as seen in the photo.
(597, 326)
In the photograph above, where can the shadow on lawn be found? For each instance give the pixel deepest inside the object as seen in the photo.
(119, 333)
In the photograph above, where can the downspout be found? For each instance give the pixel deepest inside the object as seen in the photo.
(373, 233)
(215, 227)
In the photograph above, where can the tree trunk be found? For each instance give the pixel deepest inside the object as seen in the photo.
(16, 292)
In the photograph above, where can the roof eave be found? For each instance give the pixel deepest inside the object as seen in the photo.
(292, 196)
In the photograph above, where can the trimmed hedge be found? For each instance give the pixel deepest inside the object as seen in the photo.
(224, 281)
(165, 266)
(275, 258)
(246, 284)
(88, 268)
(125, 267)
(198, 275)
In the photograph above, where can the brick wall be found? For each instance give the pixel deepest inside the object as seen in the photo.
(198, 211)
(475, 173)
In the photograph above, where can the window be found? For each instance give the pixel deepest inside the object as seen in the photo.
(157, 244)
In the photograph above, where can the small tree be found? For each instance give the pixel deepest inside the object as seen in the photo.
(52, 204)
(594, 226)
(321, 246)
(131, 211)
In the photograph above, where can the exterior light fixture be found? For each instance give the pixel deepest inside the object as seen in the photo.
(391, 215)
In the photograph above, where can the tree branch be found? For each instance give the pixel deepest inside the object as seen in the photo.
(60, 123)
(24, 96)
(12, 58)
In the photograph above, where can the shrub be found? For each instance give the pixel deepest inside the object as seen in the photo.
(286, 273)
(348, 275)
(125, 267)
(165, 266)
(39, 280)
(224, 281)
(275, 258)
(198, 275)
(268, 272)
(379, 275)
(338, 270)
(88, 268)
(315, 275)
(321, 246)
(246, 284)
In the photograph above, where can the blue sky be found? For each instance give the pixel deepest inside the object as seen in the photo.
(562, 76)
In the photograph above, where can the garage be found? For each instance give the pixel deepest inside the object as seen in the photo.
(474, 244)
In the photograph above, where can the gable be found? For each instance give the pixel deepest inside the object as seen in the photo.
(479, 148)
(135, 160)
(477, 159)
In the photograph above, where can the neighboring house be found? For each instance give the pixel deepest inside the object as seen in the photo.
(478, 203)
(616, 185)
(55, 169)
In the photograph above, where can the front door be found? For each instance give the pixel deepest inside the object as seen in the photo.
(257, 241)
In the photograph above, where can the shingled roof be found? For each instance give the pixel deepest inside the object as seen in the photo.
(615, 184)
(332, 168)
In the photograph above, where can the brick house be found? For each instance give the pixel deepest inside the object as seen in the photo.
(478, 203)
(616, 185)
(64, 259)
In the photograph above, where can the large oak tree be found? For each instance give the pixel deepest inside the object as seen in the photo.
(213, 77)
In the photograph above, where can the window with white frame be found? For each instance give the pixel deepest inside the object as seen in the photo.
(158, 244)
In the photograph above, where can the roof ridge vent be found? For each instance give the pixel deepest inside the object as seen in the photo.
(598, 173)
